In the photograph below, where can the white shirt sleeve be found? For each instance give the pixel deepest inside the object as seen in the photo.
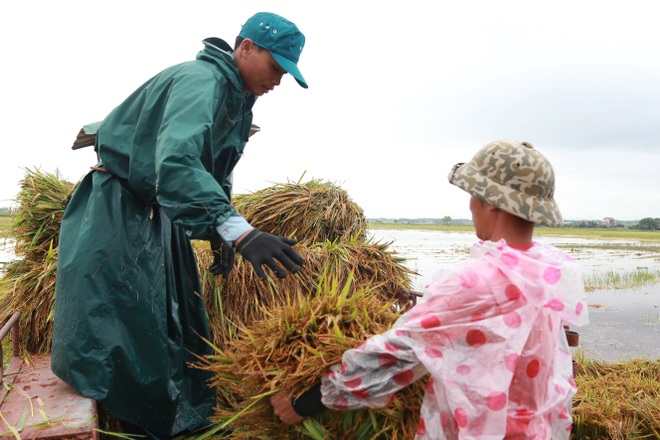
(233, 228)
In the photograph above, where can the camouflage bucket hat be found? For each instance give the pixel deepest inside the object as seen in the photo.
(512, 176)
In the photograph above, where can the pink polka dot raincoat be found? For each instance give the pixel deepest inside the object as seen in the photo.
(489, 330)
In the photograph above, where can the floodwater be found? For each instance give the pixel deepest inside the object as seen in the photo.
(624, 323)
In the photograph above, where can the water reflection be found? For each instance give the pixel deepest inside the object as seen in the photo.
(625, 323)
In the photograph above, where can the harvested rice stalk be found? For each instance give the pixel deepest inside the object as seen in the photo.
(290, 350)
(36, 223)
(617, 400)
(242, 298)
(28, 282)
(312, 212)
(372, 264)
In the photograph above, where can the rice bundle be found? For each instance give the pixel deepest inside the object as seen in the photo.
(617, 400)
(330, 229)
(28, 283)
(371, 264)
(334, 247)
(313, 212)
(243, 298)
(290, 350)
(240, 298)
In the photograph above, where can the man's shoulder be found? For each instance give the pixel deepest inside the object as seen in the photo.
(196, 72)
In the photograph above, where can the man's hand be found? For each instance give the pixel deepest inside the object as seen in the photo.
(223, 255)
(261, 248)
(283, 409)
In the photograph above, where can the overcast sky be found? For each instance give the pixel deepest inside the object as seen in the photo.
(398, 93)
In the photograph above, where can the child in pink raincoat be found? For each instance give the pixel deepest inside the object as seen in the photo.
(489, 330)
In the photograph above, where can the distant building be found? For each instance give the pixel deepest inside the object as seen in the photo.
(609, 222)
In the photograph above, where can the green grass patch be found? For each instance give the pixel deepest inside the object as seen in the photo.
(602, 234)
(5, 225)
(621, 280)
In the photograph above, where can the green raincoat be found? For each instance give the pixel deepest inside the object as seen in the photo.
(129, 311)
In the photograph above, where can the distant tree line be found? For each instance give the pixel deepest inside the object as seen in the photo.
(593, 224)
(647, 223)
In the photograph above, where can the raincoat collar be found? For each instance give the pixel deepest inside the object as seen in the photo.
(218, 52)
(218, 44)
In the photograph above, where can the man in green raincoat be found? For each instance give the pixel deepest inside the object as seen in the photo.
(129, 312)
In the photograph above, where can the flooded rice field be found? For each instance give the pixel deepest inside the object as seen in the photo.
(624, 323)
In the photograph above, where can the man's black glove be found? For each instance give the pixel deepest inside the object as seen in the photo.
(263, 248)
(223, 256)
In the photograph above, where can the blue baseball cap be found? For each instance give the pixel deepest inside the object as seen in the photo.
(280, 37)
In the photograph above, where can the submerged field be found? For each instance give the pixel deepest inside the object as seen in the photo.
(593, 233)
(612, 258)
